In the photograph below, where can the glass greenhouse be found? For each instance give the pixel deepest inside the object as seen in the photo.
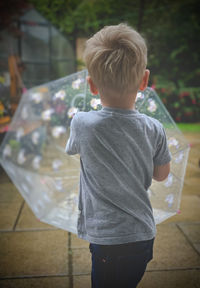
(45, 53)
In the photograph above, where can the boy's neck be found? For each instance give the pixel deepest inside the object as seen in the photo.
(123, 107)
(127, 103)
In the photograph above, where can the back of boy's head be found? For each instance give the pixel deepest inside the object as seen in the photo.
(116, 59)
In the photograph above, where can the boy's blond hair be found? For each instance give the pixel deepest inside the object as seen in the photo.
(116, 59)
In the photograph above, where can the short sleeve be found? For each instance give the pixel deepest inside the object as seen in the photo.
(162, 155)
(72, 146)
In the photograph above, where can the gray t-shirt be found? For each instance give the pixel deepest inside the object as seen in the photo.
(118, 150)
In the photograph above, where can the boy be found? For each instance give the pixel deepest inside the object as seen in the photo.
(120, 151)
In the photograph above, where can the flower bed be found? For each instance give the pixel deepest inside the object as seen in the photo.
(182, 103)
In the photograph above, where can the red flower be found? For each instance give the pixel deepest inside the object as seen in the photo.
(60, 109)
(194, 101)
(188, 113)
(184, 94)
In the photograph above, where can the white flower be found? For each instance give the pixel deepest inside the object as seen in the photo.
(21, 157)
(179, 158)
(19, 133)
(173, 142)
(58, 185)
(35, 137)
(169, 199)
(46, 115)
(60, 95)
(169, 181)
(7, 151)
(140, 95)
(95, 102)
(36, 162)
(72, 111)
(76, 84)
(152, 106)
(56, 164)
(57, 131)
(36, 97)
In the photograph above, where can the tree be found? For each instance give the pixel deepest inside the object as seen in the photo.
(10, 10)
(173, 33)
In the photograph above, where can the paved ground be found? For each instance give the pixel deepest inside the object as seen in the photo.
(33, 254)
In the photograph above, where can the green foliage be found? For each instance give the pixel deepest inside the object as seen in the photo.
(174, 42)
(183, 103)
(83, 17)
(172, 31)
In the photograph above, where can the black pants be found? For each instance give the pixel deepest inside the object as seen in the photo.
(120, 266)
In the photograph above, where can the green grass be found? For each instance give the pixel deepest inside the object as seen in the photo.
(189, 127)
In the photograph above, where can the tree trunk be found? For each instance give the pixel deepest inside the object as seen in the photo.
(141, 14)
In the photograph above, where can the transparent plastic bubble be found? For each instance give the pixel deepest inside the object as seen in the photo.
(33, 155)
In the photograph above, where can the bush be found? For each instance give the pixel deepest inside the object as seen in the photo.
(183, 103)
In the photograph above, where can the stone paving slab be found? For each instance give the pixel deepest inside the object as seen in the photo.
(81, 261)
(172, 250)
(197, 247)
(46, 282)
(192, 232)
(156, 279)
(190, 210)
(4, 176)
(10, 204)
(192, 179)
(164, 279)
(33, 253)
(41, 253)
(8, 215)
(28, 221)
(9, 193)
(191, 186)
(171, 279)
(77, 242)
(82, 281)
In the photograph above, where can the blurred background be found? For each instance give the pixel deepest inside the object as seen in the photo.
(43, 40)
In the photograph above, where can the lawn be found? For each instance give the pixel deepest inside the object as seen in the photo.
(189, 127)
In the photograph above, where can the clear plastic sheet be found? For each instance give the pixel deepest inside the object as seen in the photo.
(33, 155)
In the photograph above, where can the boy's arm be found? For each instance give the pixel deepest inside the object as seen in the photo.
(162, 158)
(161, 172)
(72, 146)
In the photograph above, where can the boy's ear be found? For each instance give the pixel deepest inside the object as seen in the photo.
(93, 88)
(145, 80)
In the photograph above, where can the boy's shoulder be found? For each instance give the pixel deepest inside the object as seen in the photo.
(82, 119)
(150, 121)
(86, 113)
(83, 116)
(92, 117)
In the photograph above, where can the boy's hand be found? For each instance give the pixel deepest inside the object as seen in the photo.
(160, 173)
